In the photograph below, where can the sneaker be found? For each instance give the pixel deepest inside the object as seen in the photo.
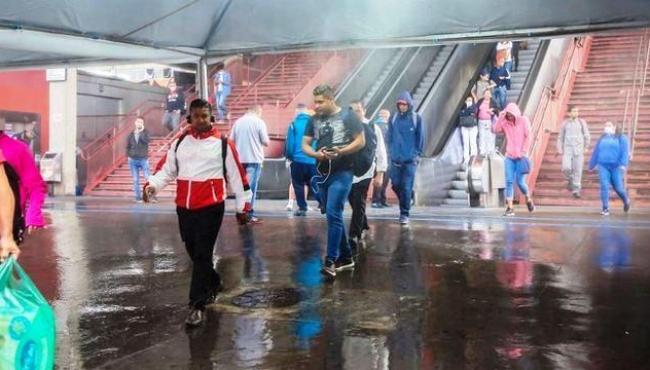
(509, 212)
(404, 220)
(385, 205)
(300, 213)
(626, 207)
(215, 294)
(290, 206)
(329, 269)
(604, 212)
(255, 220)
(377, 205)
(138, 201)
(530, 205)
(576, 194)
(195, 317)
(344, 264)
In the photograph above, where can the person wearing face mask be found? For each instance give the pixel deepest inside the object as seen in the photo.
(468, 129)
(611, 156)
(137, 150)
(516, 128)
(202, 162)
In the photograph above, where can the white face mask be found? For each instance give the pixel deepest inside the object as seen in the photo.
(468, 103)
(610, 130)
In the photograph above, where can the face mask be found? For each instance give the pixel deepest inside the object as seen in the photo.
(468, 103)
(610, 130)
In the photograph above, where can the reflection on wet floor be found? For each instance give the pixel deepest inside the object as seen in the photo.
(479, 294)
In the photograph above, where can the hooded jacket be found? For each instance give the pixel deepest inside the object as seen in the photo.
(517, 133)
(611, 151)
(405, 139)
(32, 186)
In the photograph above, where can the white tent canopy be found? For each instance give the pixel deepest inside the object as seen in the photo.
(73, 32)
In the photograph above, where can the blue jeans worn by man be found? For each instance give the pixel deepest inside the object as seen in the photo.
(513, 176)
(253, 173)
(220, 100)
(501, 96)
(402, 176)
(137, 165)
(301, 176)
(611, 175)
(334, 193)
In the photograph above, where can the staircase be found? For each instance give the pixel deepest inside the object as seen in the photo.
(458, 195)
(278, 85)
(600, 92)
(119, 183)
(430, 77)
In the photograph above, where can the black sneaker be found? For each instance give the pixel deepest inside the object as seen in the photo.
(344, 264)
(300, 213)
(576, 194)
(376, 205)
(604, 212)
(530, 205)
(329, 269)
(385, 205)
(509, 212)
(626, 207)
(214, 295)
(194, 318)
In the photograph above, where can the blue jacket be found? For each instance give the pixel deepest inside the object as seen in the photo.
(405, 137)
(293, 145)
(611, 151)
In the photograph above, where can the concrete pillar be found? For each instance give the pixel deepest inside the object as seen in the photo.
(202, 78)
(63, 129)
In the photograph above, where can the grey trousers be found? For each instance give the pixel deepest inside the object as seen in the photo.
(572, 165)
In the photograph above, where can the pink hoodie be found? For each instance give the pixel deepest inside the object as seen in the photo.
(32, 186)
(517, 133)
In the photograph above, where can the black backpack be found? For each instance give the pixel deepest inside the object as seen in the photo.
(365, 157)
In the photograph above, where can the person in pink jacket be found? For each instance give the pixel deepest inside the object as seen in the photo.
(32, 186)
(516, 128)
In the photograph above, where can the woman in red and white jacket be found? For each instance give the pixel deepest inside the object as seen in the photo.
(204, 167)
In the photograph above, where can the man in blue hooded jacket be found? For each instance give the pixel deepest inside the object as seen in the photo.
(405, 140)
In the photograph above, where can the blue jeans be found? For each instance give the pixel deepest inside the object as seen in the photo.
(301, 175)
(135, 165)
(220, 101)
(334, 193)
(500, 96)
(508, 65)
(253, 173)
(512, 176)
(402, 176)
(611, 175)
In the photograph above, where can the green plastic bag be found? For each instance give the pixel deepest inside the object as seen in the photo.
(26, 322)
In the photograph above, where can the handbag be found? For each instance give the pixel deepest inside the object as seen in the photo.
(468, 121)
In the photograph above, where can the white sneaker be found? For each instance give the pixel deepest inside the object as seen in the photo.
(290, 205)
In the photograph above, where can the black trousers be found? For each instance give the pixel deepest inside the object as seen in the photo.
(357, 198)
(199, 230)
(379, 193)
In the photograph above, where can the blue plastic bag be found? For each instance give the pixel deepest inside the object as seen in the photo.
(27, 322)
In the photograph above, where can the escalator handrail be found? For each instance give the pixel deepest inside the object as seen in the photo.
(395, 82)
(444, 66)
(354, 73)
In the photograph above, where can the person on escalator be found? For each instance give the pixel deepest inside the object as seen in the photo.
(483, 83)
(516, 128)
(486, 112)
(468, 129)
(405, 141)
(501, 78)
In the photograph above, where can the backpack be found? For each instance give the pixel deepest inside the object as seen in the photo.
(224, 152)
(290, 142)
(365, 157)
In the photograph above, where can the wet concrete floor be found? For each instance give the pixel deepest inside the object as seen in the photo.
(457, 290)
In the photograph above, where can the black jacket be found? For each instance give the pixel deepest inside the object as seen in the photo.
(467, 112)
(139, 149)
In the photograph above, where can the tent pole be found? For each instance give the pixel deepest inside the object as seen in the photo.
(202, 77)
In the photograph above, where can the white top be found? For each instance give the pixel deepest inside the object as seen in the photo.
(381, 158)
(250, 136)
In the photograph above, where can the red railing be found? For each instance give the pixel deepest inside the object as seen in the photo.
(553, 104)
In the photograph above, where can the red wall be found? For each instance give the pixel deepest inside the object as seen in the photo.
(27, 91)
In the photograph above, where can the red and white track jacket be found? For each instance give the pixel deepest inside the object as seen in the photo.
(199, 178)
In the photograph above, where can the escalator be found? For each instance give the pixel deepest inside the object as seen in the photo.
(445, 182)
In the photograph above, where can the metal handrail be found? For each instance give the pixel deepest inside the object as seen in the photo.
(639, 91)
(253, 86)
